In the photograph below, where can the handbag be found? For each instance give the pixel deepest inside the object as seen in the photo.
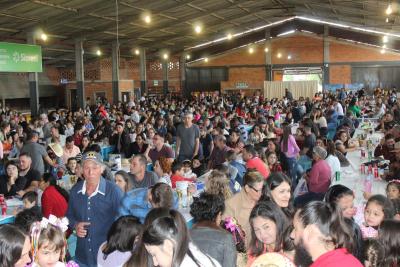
(301, 188)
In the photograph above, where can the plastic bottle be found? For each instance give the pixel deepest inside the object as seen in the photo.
(368, 183)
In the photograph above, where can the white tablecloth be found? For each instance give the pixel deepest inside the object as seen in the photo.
(352, 177)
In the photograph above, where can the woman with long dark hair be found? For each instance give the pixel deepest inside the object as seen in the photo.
(389, 237)
(167, 241)
(54, 198)
(291, 150)
(122, 239)
(140, 257)
(343, 197)
(269, 231)
(277, 188)
(14, 247)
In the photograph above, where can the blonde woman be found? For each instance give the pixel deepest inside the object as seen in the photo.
(218, 184)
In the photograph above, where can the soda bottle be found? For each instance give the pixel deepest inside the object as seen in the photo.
(4, 208)
(337, 176)
(376, 174)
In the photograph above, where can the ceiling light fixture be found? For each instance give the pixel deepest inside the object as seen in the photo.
(251, 50)
(98, 52)
(165, 56)
(279, 55)
(286, 33)
(385, 39)
(147, 19)
(383, 51)
(289, 57)
(198, 29)
(389, 9)
(206, 59)
(229, 36)
(43, 36)
(137, 52)
(187, 56)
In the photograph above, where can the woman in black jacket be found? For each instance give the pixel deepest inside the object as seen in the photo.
(8, 185)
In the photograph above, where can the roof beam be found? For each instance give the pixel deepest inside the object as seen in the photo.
(229, 19)
(7, 4)
(173, 23)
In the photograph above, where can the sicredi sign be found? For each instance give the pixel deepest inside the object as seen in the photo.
(20, 58)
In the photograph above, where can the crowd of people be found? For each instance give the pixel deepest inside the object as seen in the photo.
(267, 165)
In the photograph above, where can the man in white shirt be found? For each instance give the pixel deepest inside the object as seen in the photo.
(338, 108)
(70, 149)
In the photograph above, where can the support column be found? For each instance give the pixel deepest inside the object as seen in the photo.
(115, 72)
(182, 71)
(33, 83)
(326, 57)
(79, 70)
(268, 55)
(165, 76)
(143, 75)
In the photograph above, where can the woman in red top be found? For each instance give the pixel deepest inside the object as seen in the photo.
(272, 160)
(54, 198)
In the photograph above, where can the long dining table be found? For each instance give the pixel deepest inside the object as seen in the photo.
(352, 177)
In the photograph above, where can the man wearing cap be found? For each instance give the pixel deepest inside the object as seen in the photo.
(93, 207)
(318, 179)
(187, 139)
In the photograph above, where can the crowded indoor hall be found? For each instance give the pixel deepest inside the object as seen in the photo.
(213, 133)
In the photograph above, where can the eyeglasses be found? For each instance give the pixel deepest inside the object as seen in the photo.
(256, 190)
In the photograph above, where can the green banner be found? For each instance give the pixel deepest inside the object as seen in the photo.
(20, 58)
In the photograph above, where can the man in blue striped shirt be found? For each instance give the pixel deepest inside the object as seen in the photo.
(92, 208)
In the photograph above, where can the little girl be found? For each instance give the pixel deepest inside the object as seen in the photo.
(230, 224)
(393, 189)
(377, 209)
(49, 244)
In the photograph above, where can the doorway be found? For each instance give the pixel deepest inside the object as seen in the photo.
(73, 98)
(125, 96)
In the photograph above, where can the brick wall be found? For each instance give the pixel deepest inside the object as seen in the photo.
(243, 66)
(340, 74)
(303, 49)
(254, 77)
(348, 52)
